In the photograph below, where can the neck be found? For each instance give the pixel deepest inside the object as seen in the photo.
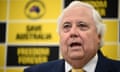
(79, 63)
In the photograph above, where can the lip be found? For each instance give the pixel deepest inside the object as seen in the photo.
(75, 45)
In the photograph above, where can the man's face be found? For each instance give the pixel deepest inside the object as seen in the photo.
(78, 34)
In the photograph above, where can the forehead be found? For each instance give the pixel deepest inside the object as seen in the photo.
(78, 12)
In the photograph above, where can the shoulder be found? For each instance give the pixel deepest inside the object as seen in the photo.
(106, 59)
(44, 67)
(115, 63)
(109, 64)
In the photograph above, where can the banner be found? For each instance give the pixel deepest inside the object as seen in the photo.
(2, 55)
(110, 51)
(2, 32)
(30, 55)
(111, 32)
(34, 9)
(3, 10)
(32, 33)
(106, 8)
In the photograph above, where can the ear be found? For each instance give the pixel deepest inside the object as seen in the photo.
(99, 38)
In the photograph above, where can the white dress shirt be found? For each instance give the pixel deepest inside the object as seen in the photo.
(89, 67)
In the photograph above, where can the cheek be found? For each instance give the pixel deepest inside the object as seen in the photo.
(63, 42)
(63, 38)
(91, 41)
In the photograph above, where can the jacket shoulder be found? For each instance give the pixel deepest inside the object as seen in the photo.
(106, 64)
(44, 67)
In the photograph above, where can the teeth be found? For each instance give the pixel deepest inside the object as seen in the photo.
(75, 44)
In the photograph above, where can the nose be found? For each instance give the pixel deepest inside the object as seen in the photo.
(74, 33)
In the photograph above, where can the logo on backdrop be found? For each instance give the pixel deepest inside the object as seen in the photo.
(35, 9)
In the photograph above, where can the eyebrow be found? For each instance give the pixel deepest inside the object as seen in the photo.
(67, 22)
(82, 22)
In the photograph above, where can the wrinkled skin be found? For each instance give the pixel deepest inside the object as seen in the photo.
(79, 39)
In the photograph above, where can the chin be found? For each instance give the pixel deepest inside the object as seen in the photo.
(76, 56)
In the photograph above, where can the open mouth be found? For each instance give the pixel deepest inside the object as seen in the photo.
(74, 44)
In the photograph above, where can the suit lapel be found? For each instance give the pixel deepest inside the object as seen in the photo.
(60, 66)
(102, 65)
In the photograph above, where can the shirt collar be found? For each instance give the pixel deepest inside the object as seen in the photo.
(89, 67)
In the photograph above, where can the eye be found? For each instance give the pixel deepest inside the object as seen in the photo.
(67, 26)
(83, 25)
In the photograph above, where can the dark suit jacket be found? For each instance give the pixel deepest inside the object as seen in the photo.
(103, 65)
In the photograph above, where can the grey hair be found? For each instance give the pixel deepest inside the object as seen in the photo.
(96, 16)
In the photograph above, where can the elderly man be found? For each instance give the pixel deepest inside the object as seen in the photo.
(80, 29)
